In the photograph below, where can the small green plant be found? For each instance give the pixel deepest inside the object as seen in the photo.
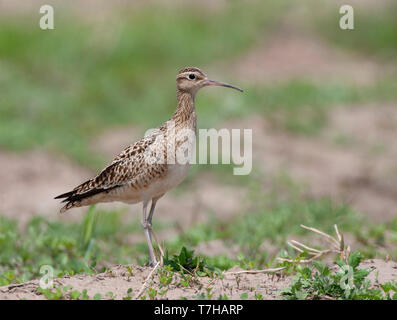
(163, 292)
(128, 296)
(64, 293)
(165, 275)
(258, 296)
(200, 296)
(388, 288)
(97, 296)
(152, 293)
(244, 296)
(185, 281)
(130, 270)
(209, 294)
(186, 261)
(52, 294)
(347, 283)
(77, 295)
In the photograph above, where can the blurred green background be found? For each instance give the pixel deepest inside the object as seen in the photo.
(321, 102)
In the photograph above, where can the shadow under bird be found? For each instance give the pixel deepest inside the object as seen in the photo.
(133, 176)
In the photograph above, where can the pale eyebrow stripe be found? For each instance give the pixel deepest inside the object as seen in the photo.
(183, 75)
(186, 74)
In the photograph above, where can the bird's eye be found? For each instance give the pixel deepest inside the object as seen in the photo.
(192, 76)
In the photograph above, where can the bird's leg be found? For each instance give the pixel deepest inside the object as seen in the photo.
(146, 228)
(149, 220)
(150, 217)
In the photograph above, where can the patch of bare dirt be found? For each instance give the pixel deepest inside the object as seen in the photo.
(217, 248)
(118, 280)
(294, 51)
(371, 127)
(357, 172)
(31, 180)
(370, 132)
(112, 142)
(289, 54)
(383, 271)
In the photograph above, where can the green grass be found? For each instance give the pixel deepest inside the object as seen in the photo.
(297, 105)
(102, 237)
(62, 87)
(345, 281)
(349, 283)
(60, 124)
(374, 34)
(269, 227)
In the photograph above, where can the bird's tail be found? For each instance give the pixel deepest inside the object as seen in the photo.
(74, 199)
(82, 196)
(69, 205)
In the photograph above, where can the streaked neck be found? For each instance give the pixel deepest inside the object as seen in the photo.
(185, 109)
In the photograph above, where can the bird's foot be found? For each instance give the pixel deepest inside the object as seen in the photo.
(151, 263)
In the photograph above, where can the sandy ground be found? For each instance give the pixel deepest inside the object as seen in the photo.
(30, 181)
(383, 271)
(118, 280)
(361, 171)
(290, 54)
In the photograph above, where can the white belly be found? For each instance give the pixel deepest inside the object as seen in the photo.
(176, 173)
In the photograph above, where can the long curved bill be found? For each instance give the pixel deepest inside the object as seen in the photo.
(210, 82)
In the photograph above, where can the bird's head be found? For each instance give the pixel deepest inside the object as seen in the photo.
(193, 79)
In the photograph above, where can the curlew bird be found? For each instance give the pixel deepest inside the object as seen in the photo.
(147, 169)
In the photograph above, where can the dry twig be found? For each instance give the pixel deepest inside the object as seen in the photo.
(147, 280)
(337, 246)
(269, 270)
